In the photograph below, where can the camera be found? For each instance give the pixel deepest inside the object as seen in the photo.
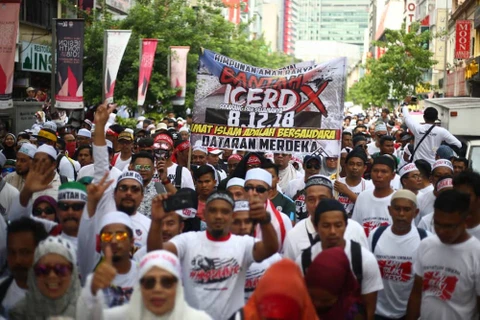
(183, 199)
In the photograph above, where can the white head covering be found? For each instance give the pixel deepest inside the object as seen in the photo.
(259, 174)
(442, 163)
(45, 148)
(28, 149)
(115, 217)
(407, 168)
(236, 182)
(84, 133)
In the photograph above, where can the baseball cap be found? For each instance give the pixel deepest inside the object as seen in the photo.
(125, 136)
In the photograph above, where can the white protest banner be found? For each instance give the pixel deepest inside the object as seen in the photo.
(115, 44)
(289, 110)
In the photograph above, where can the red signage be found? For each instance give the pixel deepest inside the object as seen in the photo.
(462, 39)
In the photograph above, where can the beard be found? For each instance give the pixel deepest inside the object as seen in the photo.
(128, 209)
(216, 233)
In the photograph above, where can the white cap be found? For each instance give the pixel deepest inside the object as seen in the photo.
(183, 129)
(84, 133)
(239, 182)
(115, 217)
(3, 159)
(50, 125)
(442, 163)
(406, 169)
(259, 174)
(200, 148)
(28, 149)
(161, 259)
(129, 130)
(161, 126)
(45, 148)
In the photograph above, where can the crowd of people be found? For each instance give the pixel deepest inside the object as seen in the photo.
(107, 222)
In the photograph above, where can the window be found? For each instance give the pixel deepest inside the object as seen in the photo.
(40, 12)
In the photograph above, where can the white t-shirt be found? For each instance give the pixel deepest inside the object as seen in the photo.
(428, 188)
(121, 289)
(7, 195)
(141, 226)
(428, 147)
(89, 171)
(122, 164)
(371, 211)
(187, 180)
(293, 187)
(396, 184)
(474, 232)
(14, 294)
(451, 278)
(425, 203)
(372, 280)
(427, 223)
(372, 148)
(214, 272)
(303, 235)
(395, 255)
(256, 272)
(67, 168)
(362, 186)
(73, 240)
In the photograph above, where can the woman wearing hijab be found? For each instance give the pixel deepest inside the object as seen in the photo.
(332, 286)
(53, 283)
(281, 294)
(158, 294)
(9, 142)
(45, 207)
(329, 166)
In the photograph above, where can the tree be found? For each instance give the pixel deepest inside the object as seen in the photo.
(399, 70)
(176, 24)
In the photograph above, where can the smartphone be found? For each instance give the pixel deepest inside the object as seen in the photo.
(414, 99)
(181, 200)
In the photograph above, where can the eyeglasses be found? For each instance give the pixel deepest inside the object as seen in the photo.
(314, 166)
(59, 269)
(133, 189)
(108, 236)
(39, 211)
(148, 283)
(139, 167)
(258, 189)
(416, 176)
(332, 159)
(75, 206)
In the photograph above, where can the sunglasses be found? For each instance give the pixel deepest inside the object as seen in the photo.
(39, 211)
(75, 206)
(148, 283)
(108, 236)
(59, 269)
(139, 167)
(314, 166)
(133, 189)
(258, 189)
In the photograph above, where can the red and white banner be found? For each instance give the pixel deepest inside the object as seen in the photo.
(178, 73)
(9, 13)
(462, 39)
(147, 56)
(116, 42)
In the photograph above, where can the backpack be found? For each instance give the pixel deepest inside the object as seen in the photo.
(177, 183)
(421, 232)
(3, 292)
(356, 252)
(64, 179)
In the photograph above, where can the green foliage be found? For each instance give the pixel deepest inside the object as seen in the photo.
(177, 24)
(127, 123)
(399, 71)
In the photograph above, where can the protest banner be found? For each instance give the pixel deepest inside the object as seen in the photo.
(147, 56)
(69, 64)
(178, 73)
(9, 11)
(289, 110)
(115, 43)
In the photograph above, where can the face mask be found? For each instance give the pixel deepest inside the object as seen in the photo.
(70, 147)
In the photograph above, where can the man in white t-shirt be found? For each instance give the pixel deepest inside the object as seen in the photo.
(304, 234)
(441, 168)
(7, 191)
(214, 262)
(380, 131)
(122, 159)
(427, 149)
(353, 184)
(23, 236)
(116, 231)
(287, 172)
(371, 208)
(296, 188)
(331, 221)
(395, 248)
(410, 178)
(469, 182)
(447, 266)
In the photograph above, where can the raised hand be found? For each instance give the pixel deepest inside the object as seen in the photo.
(105, 272)
(39, 176)
(258, 213)
(158, 213)
(161, 169)
(95, 192)
(103, 113)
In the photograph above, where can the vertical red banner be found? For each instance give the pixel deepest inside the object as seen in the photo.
(462, 39)
(147, 56)
(9, 14)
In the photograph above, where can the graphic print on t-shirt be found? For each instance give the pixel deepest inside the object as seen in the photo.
(439, 284)
(117, 296)
(252, 279)
(393, 269)
(300, 206)
(372, 223)
(207, 270)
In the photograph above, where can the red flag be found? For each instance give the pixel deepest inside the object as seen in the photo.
(149, 46)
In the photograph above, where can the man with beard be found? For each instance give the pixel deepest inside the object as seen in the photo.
(287, 172)
(214, 262)
(23, 236)
(24, 160)
(232, 163)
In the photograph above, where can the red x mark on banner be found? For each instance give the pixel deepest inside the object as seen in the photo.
(313, 97)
